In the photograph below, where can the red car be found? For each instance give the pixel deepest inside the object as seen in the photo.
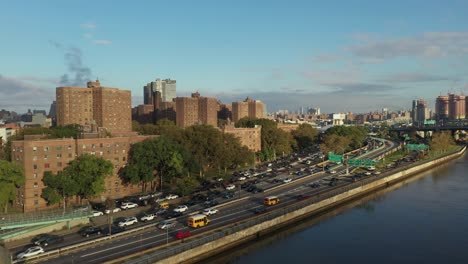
(182, 234)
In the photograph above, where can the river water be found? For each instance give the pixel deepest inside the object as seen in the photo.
(421, 220)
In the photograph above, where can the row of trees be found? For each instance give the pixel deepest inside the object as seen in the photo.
(341, 139)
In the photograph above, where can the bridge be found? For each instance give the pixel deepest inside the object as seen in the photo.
(443, 125)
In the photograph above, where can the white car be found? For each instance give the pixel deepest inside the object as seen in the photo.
(367, 173)
(32, 251)
(166, 225)
(181, 208)
(376, 172)
(332, 171)
(242, 178)
(210, 211)
(287, 180)
(160, 199)
(97, 213)
(172, 196)
(148, 217)
(230, 187)
(115, 210)
(128, 221)
(128, 205)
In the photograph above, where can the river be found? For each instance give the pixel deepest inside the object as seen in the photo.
(421, 220)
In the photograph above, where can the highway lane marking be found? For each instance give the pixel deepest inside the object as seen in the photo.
(133, 242)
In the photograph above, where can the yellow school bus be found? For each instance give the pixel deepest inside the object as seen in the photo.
(271, 200)
(198, 220)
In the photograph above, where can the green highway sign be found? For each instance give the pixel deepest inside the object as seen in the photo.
(417, 147)
(335, 157)
(363, 162)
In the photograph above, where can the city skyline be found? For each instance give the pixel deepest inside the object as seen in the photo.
(337, 56)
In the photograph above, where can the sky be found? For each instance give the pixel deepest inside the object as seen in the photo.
(340, 56)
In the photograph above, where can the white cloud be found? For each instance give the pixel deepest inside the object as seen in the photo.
(88, 35)
(425, 45)
(88, 25)
(102, 42)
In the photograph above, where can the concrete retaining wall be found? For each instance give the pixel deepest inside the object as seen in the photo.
(231, 240)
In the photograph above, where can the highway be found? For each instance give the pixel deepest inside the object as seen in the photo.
(152, 237)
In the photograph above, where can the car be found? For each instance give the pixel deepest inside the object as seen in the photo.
(228, 195)
(160, 211)
(376, 172)
(174, 215)
(315, 185)
(88, 231)
(332, 171)
(148, 217)
(182, 234)
(367, 173)
(251, 188)
(303, 196)
(210, 211)
(211, 203)
(172, 196)
(128, 205)
(97, 213)
(115, 210)
(287, 180)
(191, 203)
(242, 178)
(230, 187)
(128, 221)
(333, 182)
(144, 197)
(181, 208)
(220, 179)
(260, 210)
(166, 225)
(46, 239)
(32, 251)
(160, 199)
(113, 230)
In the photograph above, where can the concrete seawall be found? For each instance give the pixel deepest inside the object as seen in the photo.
(252, 232)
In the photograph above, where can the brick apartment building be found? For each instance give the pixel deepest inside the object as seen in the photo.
(249, 137)
(247, 108)
(39, 155)
(95, 107)
(196, 110)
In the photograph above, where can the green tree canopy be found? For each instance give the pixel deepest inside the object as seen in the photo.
(59, 187)
(442, 141)
(305, 135)
(88, 172)
(11, 178)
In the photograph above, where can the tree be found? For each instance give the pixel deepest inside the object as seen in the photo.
(334, 143)
(442, 141)
(11, 178)
(88, 172)
(58, 188)
(186, 185)
(305, 135)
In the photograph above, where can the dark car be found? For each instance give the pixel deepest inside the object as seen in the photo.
(211, 203)
(303, 196)
(90, 231)
(174, 215)
(160, 211)
(333, 182)
(228, 195)
(191, 202)
(315, 185)
(113, 230)
(260, 210)
(46, 239)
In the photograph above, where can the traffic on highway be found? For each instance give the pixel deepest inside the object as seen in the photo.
(160, 220)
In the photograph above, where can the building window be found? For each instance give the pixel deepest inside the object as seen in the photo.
(59, 164)
(123, 158)
(36, 194)
(69, 147)
(84, 146)
(36, 202)
(34, 148)
(59, 155)
(46, 148)
(36, 185)
(46, 165)
(70, 155)
(46, 156)
(58, 147)
(34, 158)
(35, 175)
(35, 166)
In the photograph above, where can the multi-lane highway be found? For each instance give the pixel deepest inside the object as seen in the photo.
(311, 181)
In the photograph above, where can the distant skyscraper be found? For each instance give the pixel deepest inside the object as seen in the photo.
(166, 87)
(442, 107)
(420, 111)
(457, 106)
(53, 109)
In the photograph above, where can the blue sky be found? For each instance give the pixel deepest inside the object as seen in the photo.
(337, 55)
